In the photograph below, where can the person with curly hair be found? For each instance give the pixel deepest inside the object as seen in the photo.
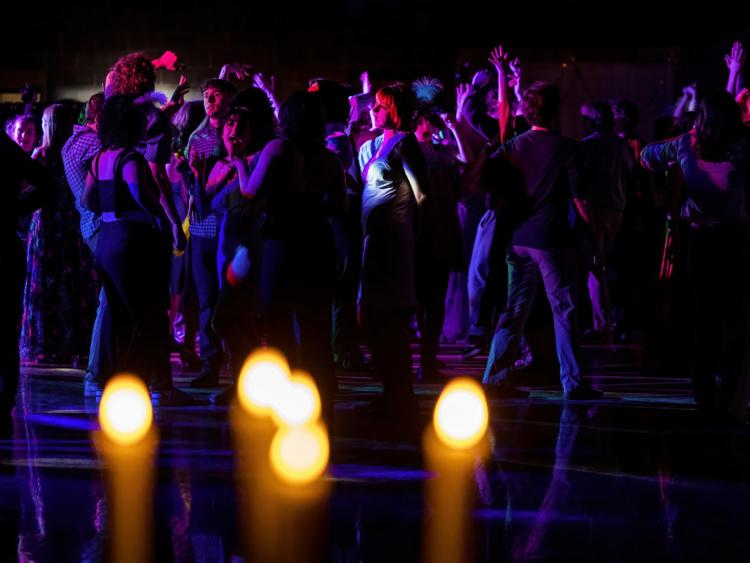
(133, 251)
(134, 75)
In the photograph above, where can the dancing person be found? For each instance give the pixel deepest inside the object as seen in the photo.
(301, 185)
(715, 162)
(60, 290)
(395, 175)
(77, 154)
(248, 127)
(133, 249)
(608, 170)
(18, 199)
(203, 151)
(538, 177)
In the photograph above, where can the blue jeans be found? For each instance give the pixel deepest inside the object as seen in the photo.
(557, 269)
(479, 273)
(206, 279)
(100, 352)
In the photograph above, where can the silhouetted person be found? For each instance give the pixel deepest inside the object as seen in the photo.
(16, 199)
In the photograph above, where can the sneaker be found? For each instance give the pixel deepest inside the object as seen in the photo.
(583, 393)
(471, 351)
(90, 385)
(504, 391)
(524, 362)
(172, 397)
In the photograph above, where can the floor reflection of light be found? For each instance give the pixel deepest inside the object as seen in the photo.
(125, 412)
(300, 454)
(263, 379)
(299, 404)
(461, 414)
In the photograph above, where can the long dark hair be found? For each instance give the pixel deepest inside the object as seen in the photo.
(254, 109)
(185, 121)
(301, 120)
(717, 126)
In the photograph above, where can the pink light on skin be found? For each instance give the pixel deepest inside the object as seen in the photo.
(25, 135)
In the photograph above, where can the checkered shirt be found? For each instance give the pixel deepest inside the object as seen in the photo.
(206, 143)
(77, 154)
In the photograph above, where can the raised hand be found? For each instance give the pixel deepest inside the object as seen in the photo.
(480, 78)
(498, 57)
(197, 164)
(449, 120)
(736, 58)
(515, 67)
(267, 85)
(690, 90)
(28, 93)
(366, 84)
(742, 97)
(183, 87)
(240, 71)
(462, 93)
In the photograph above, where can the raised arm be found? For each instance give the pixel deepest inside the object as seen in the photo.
(240, 71)
(177, 99)
(498, 58)
(515, 81)
(268, 85)
(366, 84)
(464, 151)
(657, 157)
(734, 61)
(253, 184)
(687, 100)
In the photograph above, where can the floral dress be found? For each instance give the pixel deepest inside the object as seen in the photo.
(60, 293)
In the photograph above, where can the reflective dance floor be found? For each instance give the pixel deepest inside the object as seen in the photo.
(630, 477)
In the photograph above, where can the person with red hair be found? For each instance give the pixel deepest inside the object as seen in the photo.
(394, 172)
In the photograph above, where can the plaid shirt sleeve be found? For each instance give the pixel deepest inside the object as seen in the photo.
(77, 154)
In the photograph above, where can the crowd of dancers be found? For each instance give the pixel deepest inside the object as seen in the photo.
(346, 218)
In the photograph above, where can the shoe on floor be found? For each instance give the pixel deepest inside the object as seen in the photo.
(224, 398)
(172, 397)
(472, 351)
(208, 377)
(90, 385)
(583, 393)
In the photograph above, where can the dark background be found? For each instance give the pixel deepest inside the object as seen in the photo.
(645, 51)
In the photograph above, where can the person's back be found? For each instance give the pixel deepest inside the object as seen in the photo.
(546, 167)
(608, 168)
(546, 163)
(442, 229)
